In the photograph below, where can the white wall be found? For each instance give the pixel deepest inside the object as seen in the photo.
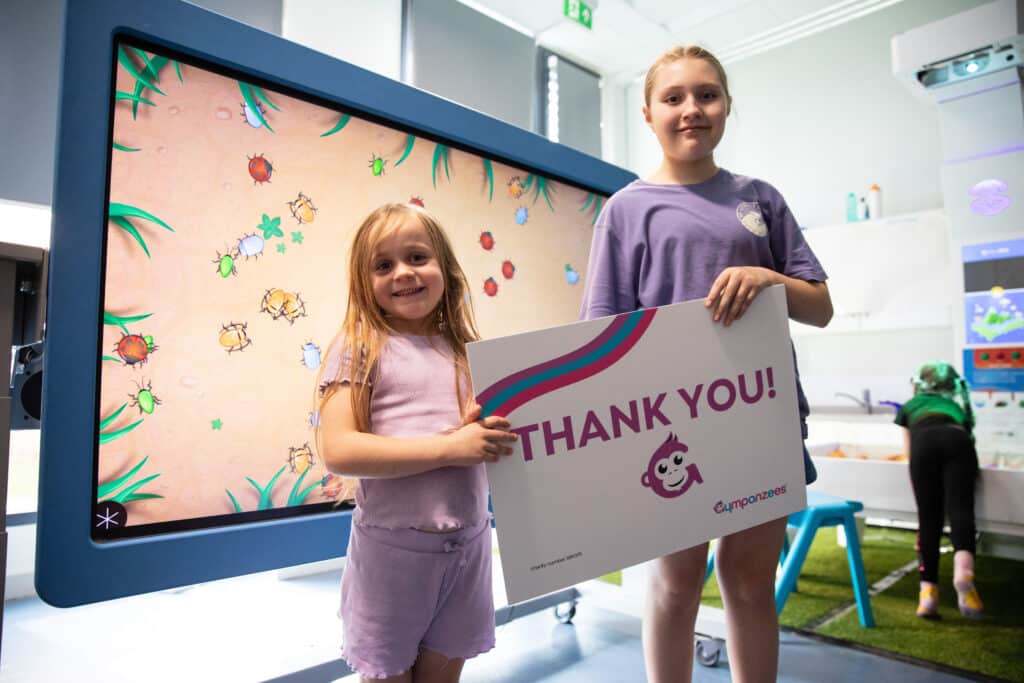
(880, 361)
(614, 121)
(643, 153)
(819, 118)
(367, 33)
(824, 116)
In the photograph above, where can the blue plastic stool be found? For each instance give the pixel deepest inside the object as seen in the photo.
(822, 510)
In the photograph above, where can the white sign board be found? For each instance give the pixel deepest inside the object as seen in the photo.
(640, 434)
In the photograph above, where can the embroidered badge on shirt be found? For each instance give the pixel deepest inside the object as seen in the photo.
(749, 214)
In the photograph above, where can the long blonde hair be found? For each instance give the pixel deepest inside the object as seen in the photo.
(683, 52)
(365, 330)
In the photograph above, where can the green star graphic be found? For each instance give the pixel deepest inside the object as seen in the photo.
(297, 237)
(280, 247)
(269, 227)
(216, 424)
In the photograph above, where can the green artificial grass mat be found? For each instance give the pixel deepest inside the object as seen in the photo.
(824, 584)
(993, 646)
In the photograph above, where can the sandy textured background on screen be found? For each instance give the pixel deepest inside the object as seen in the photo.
(192, 172)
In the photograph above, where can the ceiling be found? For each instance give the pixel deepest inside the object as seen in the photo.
(628, 34)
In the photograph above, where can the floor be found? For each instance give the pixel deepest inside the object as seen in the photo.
(281, 627)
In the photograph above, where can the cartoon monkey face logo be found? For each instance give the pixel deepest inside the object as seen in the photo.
(667, 474)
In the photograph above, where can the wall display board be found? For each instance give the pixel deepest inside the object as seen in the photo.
(993, 356)
(994, 293)
(209, 179)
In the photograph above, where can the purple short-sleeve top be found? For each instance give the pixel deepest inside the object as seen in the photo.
(414, 394)
(662, 244)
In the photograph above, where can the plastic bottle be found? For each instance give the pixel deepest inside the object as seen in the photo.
(875, 201)
(862, 210)
(851, 207)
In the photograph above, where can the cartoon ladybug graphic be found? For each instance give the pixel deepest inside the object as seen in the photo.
(135, 348)
(260, 169)
(490, 287)
(507, 269)
(487, 240)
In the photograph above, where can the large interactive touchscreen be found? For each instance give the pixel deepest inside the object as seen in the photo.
(206, 196)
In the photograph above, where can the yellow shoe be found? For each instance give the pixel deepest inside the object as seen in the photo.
(928, 603)
(967, 598)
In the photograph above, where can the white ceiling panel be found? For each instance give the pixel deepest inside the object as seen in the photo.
(738, 24)
(689, 15)
(533, 15)
(791, 10)
(621, 39)
(628, 34)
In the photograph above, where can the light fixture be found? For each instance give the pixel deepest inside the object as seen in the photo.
(552, 98)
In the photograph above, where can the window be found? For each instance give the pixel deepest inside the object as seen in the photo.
(460, 54)
(570, 98)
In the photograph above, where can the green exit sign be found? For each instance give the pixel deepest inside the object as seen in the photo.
(580, 12)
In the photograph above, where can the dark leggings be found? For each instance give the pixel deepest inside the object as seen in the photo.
(943, 470)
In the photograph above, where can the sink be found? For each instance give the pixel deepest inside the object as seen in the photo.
(874, 474)
(853, 451)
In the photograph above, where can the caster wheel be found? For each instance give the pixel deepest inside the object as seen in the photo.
(565, 616)
(708, 651)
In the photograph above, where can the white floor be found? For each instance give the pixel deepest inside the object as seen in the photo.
(248, 628)
(282, 625)
(243, 629)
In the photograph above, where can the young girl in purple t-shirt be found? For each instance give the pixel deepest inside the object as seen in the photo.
(691, 230)
(416, 598)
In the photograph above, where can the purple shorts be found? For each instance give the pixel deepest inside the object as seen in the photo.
(403, 590)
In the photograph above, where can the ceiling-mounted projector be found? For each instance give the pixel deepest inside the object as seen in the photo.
(965, 46)
(975, 63)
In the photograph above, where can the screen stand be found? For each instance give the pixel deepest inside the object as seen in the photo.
(7, 293)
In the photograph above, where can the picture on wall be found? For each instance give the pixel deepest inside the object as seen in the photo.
(994, 293)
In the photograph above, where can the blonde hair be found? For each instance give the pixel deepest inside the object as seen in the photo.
(365, 329)
(685, 52)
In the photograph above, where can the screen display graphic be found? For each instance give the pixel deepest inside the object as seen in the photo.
(231, 209)
(994, 293)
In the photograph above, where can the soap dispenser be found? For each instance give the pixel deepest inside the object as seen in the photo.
(875, 201)
(851, 207)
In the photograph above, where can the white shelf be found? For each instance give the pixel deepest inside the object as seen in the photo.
(841, 326)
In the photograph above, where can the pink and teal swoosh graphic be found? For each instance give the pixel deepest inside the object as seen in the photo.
(614, 342)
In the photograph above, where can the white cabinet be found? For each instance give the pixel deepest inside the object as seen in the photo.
(868, 474)
(886, 274)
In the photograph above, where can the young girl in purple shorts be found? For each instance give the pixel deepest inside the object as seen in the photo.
(692, 230)
(396, 411)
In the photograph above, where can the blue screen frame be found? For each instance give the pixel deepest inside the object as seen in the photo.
(71, 568)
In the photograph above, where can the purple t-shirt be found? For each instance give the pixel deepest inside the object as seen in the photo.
(662, 244)
(414, 395)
